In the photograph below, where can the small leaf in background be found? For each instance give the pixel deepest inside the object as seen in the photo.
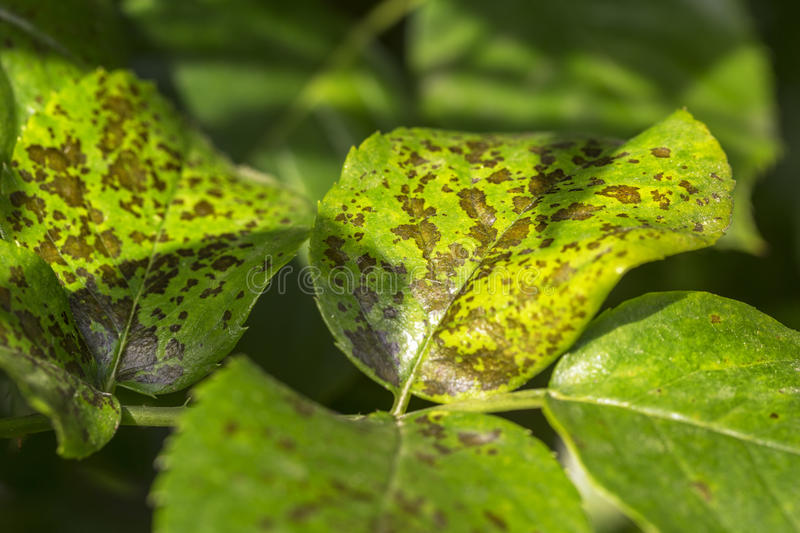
(41, 349)
(611, 68)
(46, 45)
(459, 265)
(153, 236)
(275, 461)
(260, 81)
(685, 407)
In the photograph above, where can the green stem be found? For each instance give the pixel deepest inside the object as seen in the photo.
(500, 403)
(382, 17)
(149, 416)
(400, 403)
(132, 415)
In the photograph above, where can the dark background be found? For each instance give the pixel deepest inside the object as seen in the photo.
(108, 491)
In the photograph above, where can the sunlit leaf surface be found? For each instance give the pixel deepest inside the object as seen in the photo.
(685, 407)
(155, 239)
(458, 265)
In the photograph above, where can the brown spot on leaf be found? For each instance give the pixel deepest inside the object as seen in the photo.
(575, 211)
(515, 234)
(34, 204)
(334, 251)
(127, 172)
(471, 439)
(425, 235)
(374, 349)
(703, 489)
(498, 522)
(203, 208)
(109, 244)
(17, 277)
(225, 262)
(499, 176)
(623, 193)
(77, 248)
(473, 202)
(691, 189)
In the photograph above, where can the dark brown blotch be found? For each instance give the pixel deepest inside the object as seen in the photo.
(622, 193)
(334, 251)
(424, 234)
(691, 189)
(496, 521)
(515, 234)
(472, 438)
(575, 211)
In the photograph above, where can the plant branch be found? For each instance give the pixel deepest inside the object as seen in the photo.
(132, 415)
(510, 401)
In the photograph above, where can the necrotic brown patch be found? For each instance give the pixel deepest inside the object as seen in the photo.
(575, 211)
(623, 193)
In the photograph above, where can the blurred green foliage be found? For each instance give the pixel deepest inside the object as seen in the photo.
(288, 88)
(608, 69)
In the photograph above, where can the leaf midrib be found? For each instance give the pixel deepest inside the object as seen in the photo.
(123, 342)
(673, 416)
(382, 523)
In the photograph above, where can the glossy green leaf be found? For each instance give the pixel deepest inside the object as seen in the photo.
(41, 349)
(46, 45)
(160, 245)
(262, 80)
(685, 407)
(611, 68)
(458, 265)
(275, 461)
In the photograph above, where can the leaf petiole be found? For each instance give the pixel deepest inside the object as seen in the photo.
(132, 415)
(499, 403)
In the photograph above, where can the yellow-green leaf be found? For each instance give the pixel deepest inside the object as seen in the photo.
(154, 238)
(458, 265)
(276, 461)
(41, 349)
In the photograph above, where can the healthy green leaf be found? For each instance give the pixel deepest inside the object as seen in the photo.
(267, 82)
(458, 265)
(48, 44)
(152, 235)
(276, 461)
(685, 407)
(611, 68)
(40, 349)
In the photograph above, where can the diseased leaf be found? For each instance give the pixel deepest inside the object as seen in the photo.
(685, 407)
(276, 461)
(152, 235)
(46, 45)
(459, 265)
(259, 81)
(41, 349)
(611, 68)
